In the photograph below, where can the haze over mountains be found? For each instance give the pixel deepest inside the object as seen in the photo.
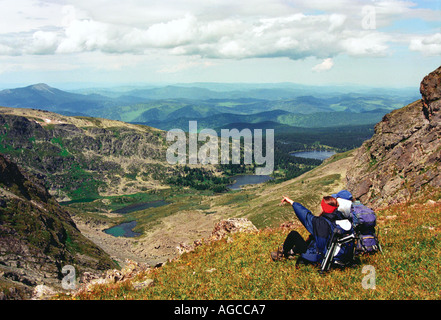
(217, 105)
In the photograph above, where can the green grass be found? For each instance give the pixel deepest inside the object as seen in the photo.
(409, 267)
(81, 184)
(59, 141)
(339, 156)
(329, 179)
(5, 148)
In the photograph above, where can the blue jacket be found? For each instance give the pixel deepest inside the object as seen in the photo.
(320, 228)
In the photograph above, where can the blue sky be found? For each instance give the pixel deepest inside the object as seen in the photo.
(106, 43)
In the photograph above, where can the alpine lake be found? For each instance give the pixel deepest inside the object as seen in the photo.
(125, 229)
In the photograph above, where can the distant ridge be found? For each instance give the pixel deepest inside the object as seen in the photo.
(215, 105)
(41, 87)
(44, 97)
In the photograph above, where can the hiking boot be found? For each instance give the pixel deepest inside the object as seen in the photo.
(277, 255)
(290, 255)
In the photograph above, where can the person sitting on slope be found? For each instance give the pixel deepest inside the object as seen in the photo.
(313, 249)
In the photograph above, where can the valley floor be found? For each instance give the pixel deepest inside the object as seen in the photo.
(156, 246)
(259, 203)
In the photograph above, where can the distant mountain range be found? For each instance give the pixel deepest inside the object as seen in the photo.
(214, 106)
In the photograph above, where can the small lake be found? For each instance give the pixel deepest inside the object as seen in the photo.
(314, 154)
(243, 180)
(123, 230)
(141, 206)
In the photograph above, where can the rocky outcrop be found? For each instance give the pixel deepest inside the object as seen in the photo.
(221, 230)
(403, 157)
(37, 236)
(229, 226)
(430, 89)
(130, 271)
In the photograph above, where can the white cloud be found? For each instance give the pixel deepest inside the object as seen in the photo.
(84, 35)
(325, 65)
(428, 45)
(366, 43)
(218, 29)
(43, 42)
(26, 15)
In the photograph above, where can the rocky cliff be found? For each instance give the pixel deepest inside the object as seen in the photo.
(38, 237)
(403, 158)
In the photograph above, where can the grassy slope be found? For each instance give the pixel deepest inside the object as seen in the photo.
(242, 268)
(260, 203)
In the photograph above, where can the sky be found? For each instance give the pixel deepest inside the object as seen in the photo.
(80, 43)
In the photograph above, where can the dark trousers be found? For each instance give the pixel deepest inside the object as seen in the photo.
(296, 243)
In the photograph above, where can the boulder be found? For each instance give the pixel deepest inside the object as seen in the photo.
(225, 227)
(139, 285)
(221, 230)
(43, 292)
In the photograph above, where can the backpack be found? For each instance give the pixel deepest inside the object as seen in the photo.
(364, 221)
(341, 245)
(344, 252)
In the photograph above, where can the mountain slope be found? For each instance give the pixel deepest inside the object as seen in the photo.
(37, 237)
(404, 155)
(83, 157)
